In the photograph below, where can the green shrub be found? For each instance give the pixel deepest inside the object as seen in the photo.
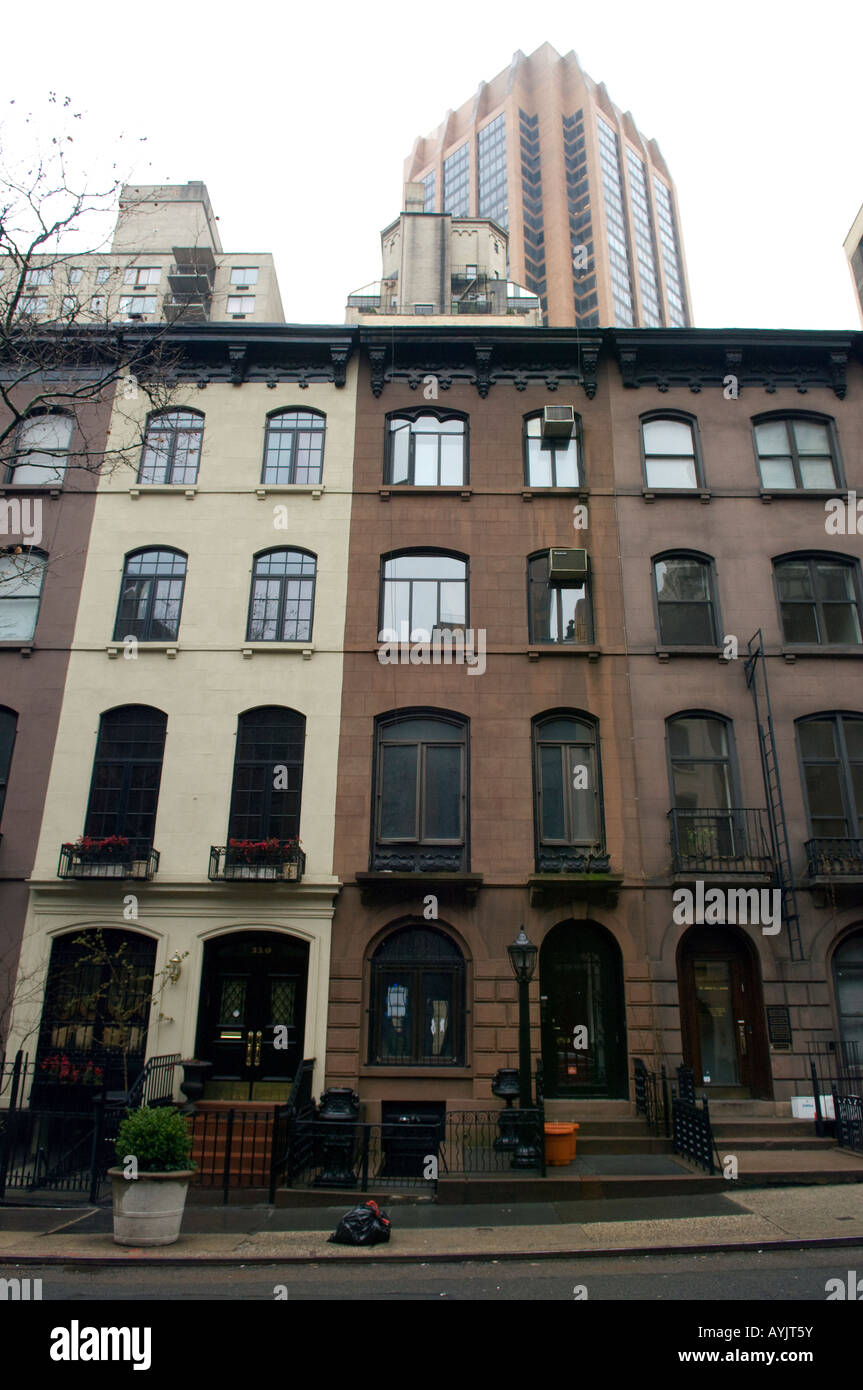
(158, 1138)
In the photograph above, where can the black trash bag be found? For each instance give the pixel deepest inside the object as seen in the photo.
(365, 1225)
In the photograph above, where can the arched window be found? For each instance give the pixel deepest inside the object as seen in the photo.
(127, 771)
(568, 796)
(423, 593)
(819, 599)
(283, 597)
(21, 578)
(670, 449)
(96, 1012)
(551, 460)
(559, 612)
(172, 447)
(294, 447)
(848, 983)
(685, 599)
(268, 775)
(831, 754)
(8, 727)
(151, 596)
(417, 999)
(797, 451)
(41, 449)
(420, 815)
(427, 449)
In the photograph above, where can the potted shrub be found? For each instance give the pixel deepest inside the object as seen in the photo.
(148, 1208)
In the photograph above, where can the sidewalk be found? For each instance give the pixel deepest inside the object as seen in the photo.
(424, 1231)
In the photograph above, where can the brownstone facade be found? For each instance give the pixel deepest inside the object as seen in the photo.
(642, 977)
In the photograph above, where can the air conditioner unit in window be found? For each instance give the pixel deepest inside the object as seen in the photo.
(558, 422)
(567, 566)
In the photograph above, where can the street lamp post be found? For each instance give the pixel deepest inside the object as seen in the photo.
(522, 957)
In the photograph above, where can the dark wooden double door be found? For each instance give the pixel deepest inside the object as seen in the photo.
(251, 1020)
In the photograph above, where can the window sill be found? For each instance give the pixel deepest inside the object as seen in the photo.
(532, 491)
(303, 649)
(378, 883)
(664, 653)
(651, 494)
(315, 490)
(592, 653)
(170, 649)
(41, 489)
(792, 653)
(16, 647)
(178, 489)
(815, 494)
(410, 489)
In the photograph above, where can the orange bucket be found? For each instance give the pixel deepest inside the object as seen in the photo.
(559, 1146)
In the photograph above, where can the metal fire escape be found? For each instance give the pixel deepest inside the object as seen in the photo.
(756, 678)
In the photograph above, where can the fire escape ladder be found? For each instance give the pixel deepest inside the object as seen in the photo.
(755, 667)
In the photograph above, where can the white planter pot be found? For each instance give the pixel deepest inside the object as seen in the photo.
(148, 1210)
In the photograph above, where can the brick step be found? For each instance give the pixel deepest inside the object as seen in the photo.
(745, 1128)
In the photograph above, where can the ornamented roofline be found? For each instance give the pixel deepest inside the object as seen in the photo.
(694, 358)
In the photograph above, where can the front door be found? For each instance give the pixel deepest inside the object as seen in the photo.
(582, 1012)
(722, 1014)
(251, 1021)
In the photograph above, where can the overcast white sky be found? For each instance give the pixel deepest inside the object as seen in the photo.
(298, 118)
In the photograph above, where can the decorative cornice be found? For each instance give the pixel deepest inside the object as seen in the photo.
(760, 358)
(484, 358)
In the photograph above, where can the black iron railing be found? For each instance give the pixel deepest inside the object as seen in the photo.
(234, 866)
(834, 858)
(735, 840)
(836, 1072)
(155, 1084)
(137, 860)
(652, 1098)
(692, 1134)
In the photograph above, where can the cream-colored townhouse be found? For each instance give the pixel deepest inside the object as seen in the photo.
(189, 814)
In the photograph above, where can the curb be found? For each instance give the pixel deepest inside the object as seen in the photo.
(449, 1257)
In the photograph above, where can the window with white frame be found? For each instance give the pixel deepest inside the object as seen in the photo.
(241, 303)
(140, 275)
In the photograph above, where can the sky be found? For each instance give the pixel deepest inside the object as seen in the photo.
(298, 117)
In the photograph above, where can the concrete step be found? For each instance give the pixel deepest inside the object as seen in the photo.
(745, 1127)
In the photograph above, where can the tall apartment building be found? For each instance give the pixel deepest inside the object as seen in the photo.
(165, 262)
(588, 202)
(854, 252)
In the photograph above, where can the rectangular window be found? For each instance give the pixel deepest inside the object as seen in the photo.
(241, 304)
(31, 304)
(38, 276)
(244, 275)
(137, 304)
(97, 304)
(75, 275)
(142, 275)
(456, 182)
(103, 274)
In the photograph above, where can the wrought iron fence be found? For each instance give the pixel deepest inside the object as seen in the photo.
(138, 859)
(652, 1099)
(155, 1085)
(834, 858)
(836, 1070)
(692, 1133)
(232, 864)
(58, 1151)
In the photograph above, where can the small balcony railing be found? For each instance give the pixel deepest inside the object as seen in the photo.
(135, 858)
(572, 859)
(229, 864)
(834, 858)
(728, 840)
(410, 859)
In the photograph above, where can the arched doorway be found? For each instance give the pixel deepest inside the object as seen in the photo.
(96, 1008)
(848, 983)
(252, 1014)
(581, 987)
(722, 1013)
